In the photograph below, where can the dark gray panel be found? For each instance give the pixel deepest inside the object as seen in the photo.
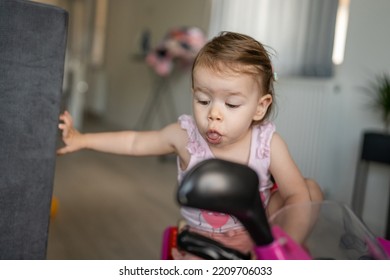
(32, 50)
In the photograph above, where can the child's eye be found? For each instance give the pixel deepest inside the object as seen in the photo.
(232, 105)
(203, 102)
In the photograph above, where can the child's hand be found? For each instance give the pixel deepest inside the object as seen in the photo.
(70, 136)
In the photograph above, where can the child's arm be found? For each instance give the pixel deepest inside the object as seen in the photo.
(291, 184)
(292, 189)
(135, 143)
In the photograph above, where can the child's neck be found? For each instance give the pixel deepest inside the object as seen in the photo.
(238, 152)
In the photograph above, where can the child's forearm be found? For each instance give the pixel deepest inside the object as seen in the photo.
(298, 222)
(133, 143)
(109, 142)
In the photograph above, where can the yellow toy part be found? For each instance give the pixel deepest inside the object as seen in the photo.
(54, 207)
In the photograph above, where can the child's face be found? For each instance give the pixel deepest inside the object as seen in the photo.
(226, 104)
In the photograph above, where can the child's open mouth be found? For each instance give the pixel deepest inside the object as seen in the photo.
(213, 137)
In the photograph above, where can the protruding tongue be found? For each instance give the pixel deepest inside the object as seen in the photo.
(213, 137)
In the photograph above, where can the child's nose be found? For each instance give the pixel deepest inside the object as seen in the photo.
(215, 114)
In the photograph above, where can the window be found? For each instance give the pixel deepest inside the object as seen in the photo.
(302, 32)
(341, 32)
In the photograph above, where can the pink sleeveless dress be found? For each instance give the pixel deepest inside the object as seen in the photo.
(218, 225)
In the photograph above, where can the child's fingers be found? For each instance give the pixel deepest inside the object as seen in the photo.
(63, 150)
(66, 118)
(64, 129)
(60, 151)
(66, 149)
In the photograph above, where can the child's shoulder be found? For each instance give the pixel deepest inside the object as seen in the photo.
(174, 134)
(179, 139)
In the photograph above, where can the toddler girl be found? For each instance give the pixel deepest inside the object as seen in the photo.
(232, 97)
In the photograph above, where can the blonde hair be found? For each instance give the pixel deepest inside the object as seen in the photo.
(238, 53)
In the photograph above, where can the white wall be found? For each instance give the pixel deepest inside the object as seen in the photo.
(366, 55)
(324, 130)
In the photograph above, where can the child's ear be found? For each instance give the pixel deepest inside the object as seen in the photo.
(262, 107)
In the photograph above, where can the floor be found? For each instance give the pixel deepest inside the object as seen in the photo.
(111, 207)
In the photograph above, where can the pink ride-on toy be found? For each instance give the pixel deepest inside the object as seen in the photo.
(331, 229)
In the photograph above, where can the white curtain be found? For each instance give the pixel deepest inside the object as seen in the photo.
(299, 32)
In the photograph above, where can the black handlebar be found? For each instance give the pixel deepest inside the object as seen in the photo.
(207, 248)
(230, 188)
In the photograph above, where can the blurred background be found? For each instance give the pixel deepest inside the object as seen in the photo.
(114, 207)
